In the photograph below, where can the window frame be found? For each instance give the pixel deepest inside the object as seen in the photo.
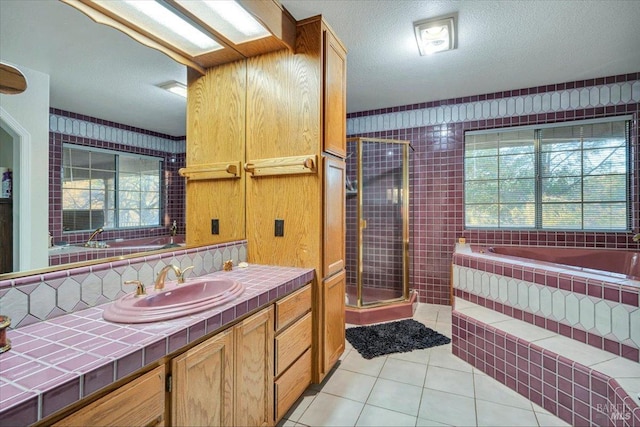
(116, 189)
(538, 191)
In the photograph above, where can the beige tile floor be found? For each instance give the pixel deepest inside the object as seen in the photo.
(422, 388)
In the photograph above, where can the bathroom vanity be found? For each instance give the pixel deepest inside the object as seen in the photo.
(243, 363)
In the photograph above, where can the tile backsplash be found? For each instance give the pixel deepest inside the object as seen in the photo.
(30, 299)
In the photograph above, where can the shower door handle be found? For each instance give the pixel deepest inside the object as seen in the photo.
(363, 224)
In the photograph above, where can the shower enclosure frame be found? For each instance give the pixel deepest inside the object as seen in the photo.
(404, 194)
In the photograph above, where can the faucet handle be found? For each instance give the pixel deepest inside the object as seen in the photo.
(181, 276)
(140, 291)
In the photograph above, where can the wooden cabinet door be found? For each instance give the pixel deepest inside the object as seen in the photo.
(335, 95)
(216, 111)
(333, 292)
(334, 216)
(139, 403)
(202, 392)
(254, 370)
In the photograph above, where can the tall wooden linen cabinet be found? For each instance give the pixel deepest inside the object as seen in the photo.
(266, 142)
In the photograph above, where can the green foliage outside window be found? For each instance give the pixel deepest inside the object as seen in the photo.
(109, 189)
(558, 178)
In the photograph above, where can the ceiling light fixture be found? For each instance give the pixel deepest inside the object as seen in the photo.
(175, 87)
(198, 33)
(436, 34)
(157, 19)
(228, 18)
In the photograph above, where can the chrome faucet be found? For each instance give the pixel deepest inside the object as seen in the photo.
(162, 275)
(636, 237)
(94, 234)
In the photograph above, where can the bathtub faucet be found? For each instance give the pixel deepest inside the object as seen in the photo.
(94, 234)
(636, 237)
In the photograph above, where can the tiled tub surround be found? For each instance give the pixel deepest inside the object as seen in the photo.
(39, 297)
(436, 131)
(78, 253)
(597, 309)
(56, 362)
(580, 384)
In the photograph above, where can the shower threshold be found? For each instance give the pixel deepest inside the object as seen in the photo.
(382, 313)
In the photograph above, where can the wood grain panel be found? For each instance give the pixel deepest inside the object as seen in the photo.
(292, 384)
(224, 200)
(291, 343)
(203, 382)
(292, 307)
(294, 199)
(216, 133)
(139, 403)
(254, 370)
(334, 216)
(216, 115)
(333, 290)
(335, 95)
(284, 119)
(283, 93)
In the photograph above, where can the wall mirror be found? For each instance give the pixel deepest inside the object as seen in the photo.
(75, 65)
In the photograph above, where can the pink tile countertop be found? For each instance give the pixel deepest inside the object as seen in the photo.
(56, 362)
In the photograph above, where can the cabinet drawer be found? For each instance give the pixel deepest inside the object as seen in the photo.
(292, 384)
(139, 403)
(292, 307)
(291, 343)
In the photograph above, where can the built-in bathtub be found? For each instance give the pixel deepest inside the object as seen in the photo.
(569, 291)
(157, 242)
(624, 264)
(119, 247)
(588, 295)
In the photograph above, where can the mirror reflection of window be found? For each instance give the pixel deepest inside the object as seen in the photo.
(109, 189)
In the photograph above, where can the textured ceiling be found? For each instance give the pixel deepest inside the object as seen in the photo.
(502, 45)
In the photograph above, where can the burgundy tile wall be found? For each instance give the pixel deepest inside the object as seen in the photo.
(575, 393)
(174, 192)
(436, 186)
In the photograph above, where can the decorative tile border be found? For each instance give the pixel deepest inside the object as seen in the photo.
(610, 344)
(553, 101)
(55, 363)
(575, 393)
(622, 291)
(82, 126)
(31, 299)
(570, 305)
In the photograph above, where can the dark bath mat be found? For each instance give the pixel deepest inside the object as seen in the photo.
(393, 337)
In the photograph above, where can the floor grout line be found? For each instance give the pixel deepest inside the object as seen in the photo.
(442, 322)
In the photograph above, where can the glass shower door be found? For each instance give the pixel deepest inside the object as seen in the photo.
(382, 182)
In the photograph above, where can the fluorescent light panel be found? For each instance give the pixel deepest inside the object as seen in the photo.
(228, 18)
(436, 35)
(163, 23)
(175, 87)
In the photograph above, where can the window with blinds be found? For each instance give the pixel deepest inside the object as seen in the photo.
(572, 177)
(102, 188)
